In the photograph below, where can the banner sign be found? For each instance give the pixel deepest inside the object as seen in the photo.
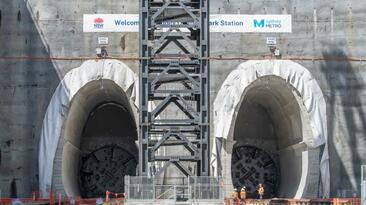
(111, 23)
(251, 23)
(218, 23)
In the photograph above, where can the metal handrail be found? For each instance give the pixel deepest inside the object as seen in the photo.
(193, 189)
(171, 188)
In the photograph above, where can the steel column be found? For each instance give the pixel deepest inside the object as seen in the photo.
(174, 71)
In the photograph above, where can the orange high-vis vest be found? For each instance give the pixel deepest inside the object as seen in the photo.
(234, 194)
(243, 194)
(260, 190)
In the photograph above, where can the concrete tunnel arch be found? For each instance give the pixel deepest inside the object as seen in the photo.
(262, 88)
(95, 90)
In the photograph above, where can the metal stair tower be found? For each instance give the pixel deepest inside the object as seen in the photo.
(174, 72)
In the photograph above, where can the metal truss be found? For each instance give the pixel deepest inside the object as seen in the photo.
(174, 72)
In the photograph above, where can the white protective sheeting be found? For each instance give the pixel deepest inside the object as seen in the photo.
(57, 110)
(229, 97)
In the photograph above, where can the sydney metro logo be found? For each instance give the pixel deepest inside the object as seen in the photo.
(267, 23)
(98, 23)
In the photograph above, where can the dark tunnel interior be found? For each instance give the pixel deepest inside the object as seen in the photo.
(105, 161)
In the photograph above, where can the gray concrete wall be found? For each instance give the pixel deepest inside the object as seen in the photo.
(43, 27)
(25, 88)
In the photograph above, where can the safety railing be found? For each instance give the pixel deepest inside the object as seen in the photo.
(208, 189)
(165, 193)
(141, 192)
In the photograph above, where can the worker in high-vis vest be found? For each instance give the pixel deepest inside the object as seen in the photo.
(235, 197)
(260, 191)
(243, 194)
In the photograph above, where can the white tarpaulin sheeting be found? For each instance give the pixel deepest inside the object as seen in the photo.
(57, 110)
(230, 94)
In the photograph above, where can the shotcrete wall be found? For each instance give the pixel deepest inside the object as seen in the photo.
(50, 27)
(26, 88)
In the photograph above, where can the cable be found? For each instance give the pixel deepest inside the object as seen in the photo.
(212, 58)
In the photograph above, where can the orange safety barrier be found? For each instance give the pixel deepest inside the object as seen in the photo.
(52, 197)
(56, 199)
(116, 195)
(5, 201)
(347, 201)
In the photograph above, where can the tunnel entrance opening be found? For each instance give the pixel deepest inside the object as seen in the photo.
(99, 143)
(269, 131)
(104, 163)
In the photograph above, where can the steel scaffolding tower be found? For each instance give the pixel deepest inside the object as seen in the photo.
(174, 72)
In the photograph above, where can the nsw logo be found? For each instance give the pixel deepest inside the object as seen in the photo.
(98, 23)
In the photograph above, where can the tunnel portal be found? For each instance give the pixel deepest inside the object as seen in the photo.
(100, 141)
(269, 132)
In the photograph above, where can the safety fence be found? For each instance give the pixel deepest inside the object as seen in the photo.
(170, 190)
(64, 201)
(333, 201)
(54, 198)
(167, 196)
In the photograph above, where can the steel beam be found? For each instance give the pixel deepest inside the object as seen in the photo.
(174, 70)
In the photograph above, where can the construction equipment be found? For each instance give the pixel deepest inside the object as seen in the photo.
(174, 71)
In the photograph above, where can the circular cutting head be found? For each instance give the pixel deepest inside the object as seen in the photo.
(105, 169)
(252, 166)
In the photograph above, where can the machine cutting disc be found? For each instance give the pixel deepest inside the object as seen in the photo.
(252, 166)
(104, 169)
